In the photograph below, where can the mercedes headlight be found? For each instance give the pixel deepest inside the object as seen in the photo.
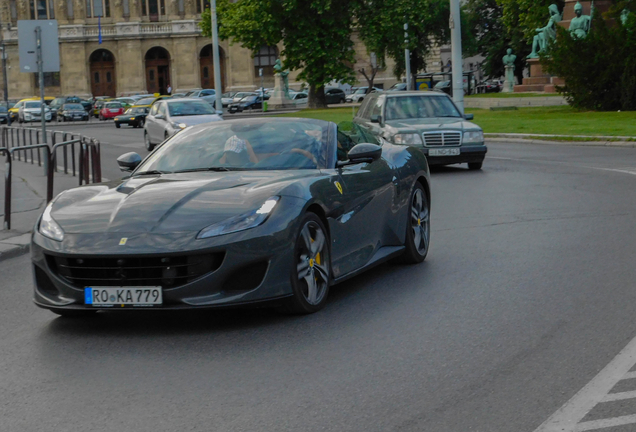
(407, 139)
(474, 137)
(242, 222)
(48, 227)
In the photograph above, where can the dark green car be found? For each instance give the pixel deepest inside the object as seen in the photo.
(135, 117)
(428, 120)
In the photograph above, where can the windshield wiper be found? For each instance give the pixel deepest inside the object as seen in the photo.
(152, 172)
(205, 169)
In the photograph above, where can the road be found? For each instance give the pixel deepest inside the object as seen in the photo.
(526, 295)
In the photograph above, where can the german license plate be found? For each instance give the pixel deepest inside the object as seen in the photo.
(444, 152)
(123, 296)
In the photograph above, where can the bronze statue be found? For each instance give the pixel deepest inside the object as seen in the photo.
(509, 65)
(278, 67)
(580, 24)
(546, 34)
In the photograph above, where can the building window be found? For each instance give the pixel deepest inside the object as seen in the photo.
(108, 77)
(97, 8)
(153, 9)
(14, 11)
(265, 58)
(206, 73)
(51, 79)
(202, 5)
(39, 9)
(96, 77)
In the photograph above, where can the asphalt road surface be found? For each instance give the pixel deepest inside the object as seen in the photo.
(527, 297)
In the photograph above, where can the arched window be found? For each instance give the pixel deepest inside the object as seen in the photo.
(97, 8)
(265, 58)
(206, 73)
(40, 11)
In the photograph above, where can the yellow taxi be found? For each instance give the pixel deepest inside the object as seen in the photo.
(147, 102)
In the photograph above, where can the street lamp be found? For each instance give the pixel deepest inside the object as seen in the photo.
(215, 58)
(3, 54)
(456, 54)
(407, 57)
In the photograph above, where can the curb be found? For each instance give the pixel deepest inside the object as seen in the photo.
(517, 140)
(15, 246)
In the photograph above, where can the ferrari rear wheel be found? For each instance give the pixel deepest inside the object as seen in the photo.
(311, 272)
(418, 228)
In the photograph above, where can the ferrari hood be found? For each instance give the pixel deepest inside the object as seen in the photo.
(169, 203)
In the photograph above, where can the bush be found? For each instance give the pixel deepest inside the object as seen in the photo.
(600, 70)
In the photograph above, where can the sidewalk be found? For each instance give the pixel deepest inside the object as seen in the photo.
(28, 200)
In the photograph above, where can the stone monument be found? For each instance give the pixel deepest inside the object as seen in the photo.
(509, 65)
(280, 98)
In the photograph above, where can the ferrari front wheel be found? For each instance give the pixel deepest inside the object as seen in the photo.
(418, 227)
(311, 270)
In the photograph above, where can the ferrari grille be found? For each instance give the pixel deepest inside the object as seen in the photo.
(164, 271)
(436, 139)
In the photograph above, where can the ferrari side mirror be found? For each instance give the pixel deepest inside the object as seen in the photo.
(363, 153)
(129, 161)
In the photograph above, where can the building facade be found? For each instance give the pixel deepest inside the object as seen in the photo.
(146, 46)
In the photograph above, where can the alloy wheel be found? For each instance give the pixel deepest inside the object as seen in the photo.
(313, 263)
(420, 223)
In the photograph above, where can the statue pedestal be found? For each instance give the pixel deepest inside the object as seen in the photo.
(509, 83)
(539, 81)
(279, 98)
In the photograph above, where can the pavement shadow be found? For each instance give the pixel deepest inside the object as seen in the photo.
(453, 169)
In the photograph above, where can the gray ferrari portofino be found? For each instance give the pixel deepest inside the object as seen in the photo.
(233, 213)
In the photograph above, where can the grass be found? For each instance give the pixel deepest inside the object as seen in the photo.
(509, 95)
(559, 120)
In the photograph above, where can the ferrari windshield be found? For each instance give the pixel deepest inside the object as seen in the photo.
(261, 144)
(410, 107)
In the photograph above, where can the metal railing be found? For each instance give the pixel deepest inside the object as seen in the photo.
(18, 144)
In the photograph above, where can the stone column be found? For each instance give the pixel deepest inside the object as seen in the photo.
(185, 65)
(131, 71)
(75, 75)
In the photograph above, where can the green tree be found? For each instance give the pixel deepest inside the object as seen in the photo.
(316, 36)
(381, 28)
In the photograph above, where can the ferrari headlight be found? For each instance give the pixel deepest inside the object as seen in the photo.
(48, 227)
(242, 222)
(473, 137)
(407, 139)
(179, 125)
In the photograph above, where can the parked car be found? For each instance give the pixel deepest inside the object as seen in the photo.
(398, 87)
(335, 96)
(168, 117)
(227, 98)
(111, 110)
(149, 101)
(360, 94)
(31, 111)
(208, 95)
(99, 104)
(444, 86)
(494, 86)
(71, 112)
(233, 213)
(428, 120)
(4, 114)
(135, 117)
(87, 105)
(300, 99)
(127, 102)
(56, 104)
(14, 111)
(240, 95)
(251, 102)
(178, 95)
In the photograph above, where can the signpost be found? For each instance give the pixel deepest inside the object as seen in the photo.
(6, 81)
(39, 52)
(215, 58)
(456, 53)
(260, 74)
(407, 57)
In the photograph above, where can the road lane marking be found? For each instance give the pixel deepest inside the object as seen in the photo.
(626, 170)
(568, 417)
(619, 396)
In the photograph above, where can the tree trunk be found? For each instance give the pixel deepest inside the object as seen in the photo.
(317, 97)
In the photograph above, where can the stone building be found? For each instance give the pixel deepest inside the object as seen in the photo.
(146, 45)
